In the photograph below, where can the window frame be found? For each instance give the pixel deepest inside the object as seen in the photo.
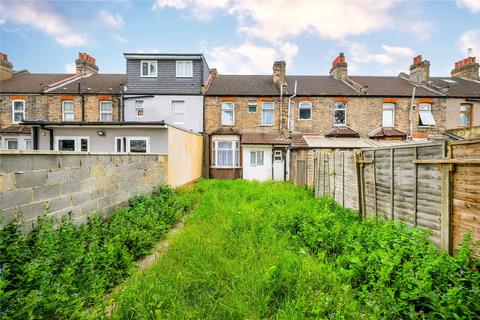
(184, 63)
(174, 102)
(128, 144)
(26, 144)
(224, 110)
(385, 107)
(137, 109)
(272, 110)
(7, 140)
(300, 107)
(235, 152)
(468, 113)
(429, 111)
(69, 112)
(344, 109)
(256, 162)
(277, 155)
(155, 62)
(77, 145)
(252, 103)
(14, 111)
(106, 112)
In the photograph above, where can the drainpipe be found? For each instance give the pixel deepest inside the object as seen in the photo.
(121, 109)
(289, 107)
(410, 115)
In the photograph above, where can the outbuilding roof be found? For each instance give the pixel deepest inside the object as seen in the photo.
(243, 85)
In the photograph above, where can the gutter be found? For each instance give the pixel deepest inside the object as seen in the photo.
(289, 106)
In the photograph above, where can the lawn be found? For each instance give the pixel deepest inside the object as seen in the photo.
(271, 250)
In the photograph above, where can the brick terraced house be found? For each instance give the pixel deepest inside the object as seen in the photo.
(86, 96)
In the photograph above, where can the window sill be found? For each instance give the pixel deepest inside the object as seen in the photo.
(304, 119)
(427, 127)
(214, 167)
(148, 76)
(184, 77)
(339, 125)
(265, 125)
(228, 125)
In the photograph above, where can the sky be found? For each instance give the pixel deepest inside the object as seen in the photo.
(243, 36)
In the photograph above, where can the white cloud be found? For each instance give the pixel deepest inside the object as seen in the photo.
(44, 18)
(275, 20)
(201, 9)
(249, 58)
(111, 20)
(393, 59)
(119, 38)
(70, 68)
(469, 39)
(473, 5)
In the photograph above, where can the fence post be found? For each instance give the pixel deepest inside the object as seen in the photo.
(343, 179)
(359, 169)
(415, 183)
(375, 183)
(445, 207)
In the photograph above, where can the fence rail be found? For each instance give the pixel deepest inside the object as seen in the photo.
(433, 186)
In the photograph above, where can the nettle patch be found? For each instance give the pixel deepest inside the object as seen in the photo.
(61, 272)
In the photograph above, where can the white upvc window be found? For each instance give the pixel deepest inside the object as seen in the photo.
(388, 116)
(64, 143)
(148, 68)
(132, 144)
(340, 114)
(68, 110)
(256, 158)
(426, 116)
(106, 112)
(228, 113)
(226, 153)
(139, 110)
(11, 144)
(252, 106)
(305, 110)
(465, 115)
(184, 68)
(178, 112)
(267, 113)
(18, 111)
(28, 144)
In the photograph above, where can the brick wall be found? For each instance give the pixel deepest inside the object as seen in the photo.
(57, 183)
(49, 107)
(365, 114)
(244, 120)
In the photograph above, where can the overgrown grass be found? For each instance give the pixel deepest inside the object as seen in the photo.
(252, 250)
(58, 273)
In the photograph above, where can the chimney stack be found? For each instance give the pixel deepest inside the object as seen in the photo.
(279, 70)
(6, 68)
(420, 70)
(466, 68)
(339, 68)
(86, 64)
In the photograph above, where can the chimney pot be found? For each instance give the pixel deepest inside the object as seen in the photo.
(420, 70)
(339, 68)
(86, 64)
(466, 68)
(6, 67)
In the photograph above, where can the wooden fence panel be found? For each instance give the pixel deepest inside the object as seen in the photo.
(465, 193)
(404, 184)
(351, 183)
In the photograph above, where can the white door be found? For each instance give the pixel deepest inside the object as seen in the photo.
(278, 165)
(257, 162)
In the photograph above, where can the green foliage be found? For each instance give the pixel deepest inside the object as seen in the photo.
(61, 271)
(252, 250)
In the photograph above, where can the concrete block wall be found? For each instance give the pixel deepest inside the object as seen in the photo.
(62, 183)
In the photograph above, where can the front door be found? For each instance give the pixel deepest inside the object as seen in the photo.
(278, 165)
(257, 162)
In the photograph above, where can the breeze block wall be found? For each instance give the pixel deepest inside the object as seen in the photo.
(61, 183)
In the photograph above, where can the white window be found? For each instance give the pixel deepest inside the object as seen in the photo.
(11, 144)
(132, 144)
(256, 158)
(267, 113)
(178, 112)
(465, 115)
(426, 116)
(148, 68)
(225, 154)
(28, 144)
(139, 110)
(68, 111)
(106, 111)
(278, 155)
(72, 144)
(228, 113)
(305, 110)
(340, 114)
(184, 69)
(388, 118)
(18, 111)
